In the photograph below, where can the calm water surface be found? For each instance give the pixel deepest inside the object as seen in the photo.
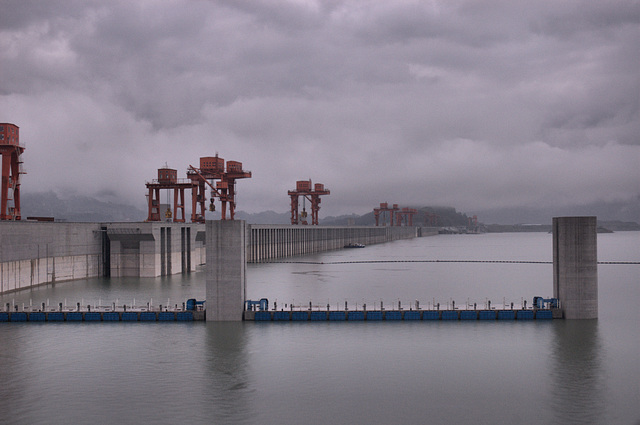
(559, 372)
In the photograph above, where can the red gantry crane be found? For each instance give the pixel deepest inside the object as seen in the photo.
(211, 169)
(384, 207)
(303, 188)
(473, 223)
(405, 215)
(431, 217)
(11, 152)
(167, 180)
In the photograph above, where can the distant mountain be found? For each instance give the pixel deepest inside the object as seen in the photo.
(619, 226)
(446, 216)
(603, 227)
(613, 216)
(605, 211)
(76, 208)
(265, 217)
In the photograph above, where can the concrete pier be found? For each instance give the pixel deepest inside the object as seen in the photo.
(575, 266)
(226, 269)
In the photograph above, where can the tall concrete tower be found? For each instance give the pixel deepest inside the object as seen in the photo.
(226, 269)
(575, 266)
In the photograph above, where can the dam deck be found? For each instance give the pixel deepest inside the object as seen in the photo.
(181, 315)
(101, 316)
(401, 315)
(280, 316)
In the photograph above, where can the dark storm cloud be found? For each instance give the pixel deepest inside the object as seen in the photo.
(468, 103)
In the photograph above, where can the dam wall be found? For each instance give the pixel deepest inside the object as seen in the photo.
(38, 253)
(154, 248)
(33, 254)
(267, 242)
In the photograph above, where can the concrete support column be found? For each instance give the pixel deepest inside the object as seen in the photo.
(226, 269)
(575, 266)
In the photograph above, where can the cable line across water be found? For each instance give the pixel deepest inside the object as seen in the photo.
(437, 261)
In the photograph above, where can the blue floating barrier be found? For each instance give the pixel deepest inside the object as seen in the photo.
(486, 315)
(412, 315)
(74, 316)
(506, 315)
(4, 317)
(431, 315)
(540, 315)
(92, 316)
(524, 315)
(55, 316)
(185, 316)
(111, 316)
(37, 316)
(449, 315)
(355, 316)
(468, 315)
(392, 315)
(262, 316)
(166, 316)
(374, 315)
(129, 316)
(300, 316)
(337, 316)
(148, 316)
(318, 316)
(19, 317)
(282, 316)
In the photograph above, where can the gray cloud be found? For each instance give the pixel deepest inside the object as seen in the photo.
(466, 103)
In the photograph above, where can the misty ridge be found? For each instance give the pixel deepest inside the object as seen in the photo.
(614, 216)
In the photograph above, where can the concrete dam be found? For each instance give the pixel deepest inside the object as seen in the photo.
(40, 253)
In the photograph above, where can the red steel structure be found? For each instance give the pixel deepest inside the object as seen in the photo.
(213, 168)
(473, 222)
(384, 207)
(431, 217)
(11, 152)
(405, 215)
(167, 180)
(303, 188)
(227, 187)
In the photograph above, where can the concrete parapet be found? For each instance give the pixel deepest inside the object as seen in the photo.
(575, 266)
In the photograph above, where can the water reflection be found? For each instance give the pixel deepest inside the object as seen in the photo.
(227, 385)
(12, 371)
(578, 390)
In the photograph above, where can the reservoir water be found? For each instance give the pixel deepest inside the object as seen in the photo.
(551, 372)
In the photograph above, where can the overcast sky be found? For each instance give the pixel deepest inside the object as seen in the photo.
(471, 104)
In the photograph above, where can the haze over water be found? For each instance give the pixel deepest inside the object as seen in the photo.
(556, 372)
